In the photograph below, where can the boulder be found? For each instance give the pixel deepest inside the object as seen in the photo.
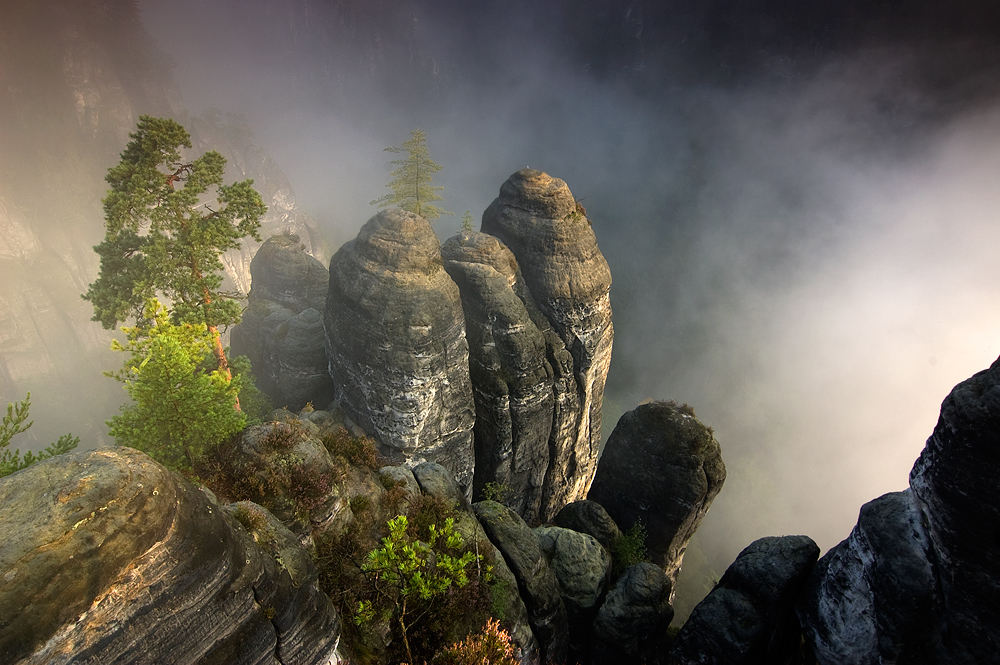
(537, 584)
(591, 518)
(108, 557)
(748, 617)
(918, 579)
(282, 328)
(663, 468)
(581, 566)
(632, 623)
(436, 481)
(395, 335)
(512, 379)
(537, 217)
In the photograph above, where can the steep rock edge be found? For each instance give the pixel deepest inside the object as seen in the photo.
(918, 579)
(395, 340)
(537, 217)
(282, 327)
(108, 557)
(512, 380)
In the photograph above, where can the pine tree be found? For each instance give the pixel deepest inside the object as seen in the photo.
(411, 181)
(164, 238)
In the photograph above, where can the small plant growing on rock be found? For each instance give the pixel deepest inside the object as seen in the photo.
(358, 450)
(493, 646)
(407, 576)
(628, 549)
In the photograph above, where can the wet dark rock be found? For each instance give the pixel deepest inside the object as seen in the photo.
(632, 622)
(107, 557)
(538, 219)
(396, 344)
(588, 517)
(748, 617)
(537, 584)
(282, 327)
(511, 376)
(662, 467)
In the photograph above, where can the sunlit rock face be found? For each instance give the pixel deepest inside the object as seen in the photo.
(282, 327)
(395, 335)
(663, 467)
(108, 557)
(512, 379)
(537, 217)
(918, 580)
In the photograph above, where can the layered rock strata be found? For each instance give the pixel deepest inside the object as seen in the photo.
(748, 618)
(282, 327)
(395, 339)
(918, 579)
(512, 379)
(110, 558)
(537, 217)
(663, 468)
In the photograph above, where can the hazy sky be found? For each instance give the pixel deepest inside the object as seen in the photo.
(802, 231)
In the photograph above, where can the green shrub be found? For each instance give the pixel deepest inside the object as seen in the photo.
(628, 549)
(12, 425)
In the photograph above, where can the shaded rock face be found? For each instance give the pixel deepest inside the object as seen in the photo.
(110, 558)
(395, 336)
(282, 328)
(918, 579)
(663, 467)
(537, 584)
(537, 217)
(512, 379)
(748, 617)
(633, 620)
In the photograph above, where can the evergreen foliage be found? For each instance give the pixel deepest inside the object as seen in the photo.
(181, 408)
(12, 425)
(164, 235)
(467, 222)
(411, 181)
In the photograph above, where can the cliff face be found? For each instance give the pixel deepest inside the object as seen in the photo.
(918, 579)
(395, 338)
(538, 218)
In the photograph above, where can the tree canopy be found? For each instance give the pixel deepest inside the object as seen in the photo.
(181, 407)
(167, 221)
(411, 180)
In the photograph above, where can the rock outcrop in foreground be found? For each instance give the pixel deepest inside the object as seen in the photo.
(663, 468)
(539, 220)
(918, 580)
(282, 327)
(395, 337)
(110, 558)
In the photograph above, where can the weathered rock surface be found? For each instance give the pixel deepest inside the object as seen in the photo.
(512, 379)
(537, 217)
(537, 584)
(918, 579)
(663, 467)
(107, 557)
(581, 566)
(282, 328)
(395, 336)
(633, 620)
(748, 618)
(591, 518)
